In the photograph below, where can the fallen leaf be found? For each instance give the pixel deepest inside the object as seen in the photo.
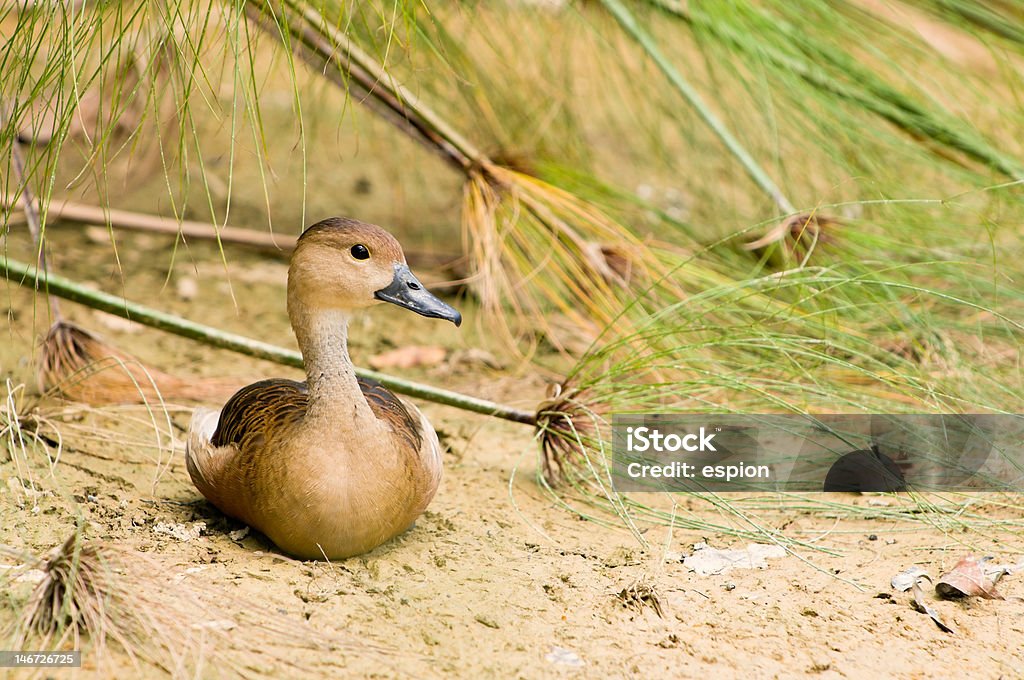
(906, 579)
(922, 606)
(992, 569)
(969, 579)
(707, 561)
(409, 357)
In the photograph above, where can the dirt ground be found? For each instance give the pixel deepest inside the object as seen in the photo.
(496, 579)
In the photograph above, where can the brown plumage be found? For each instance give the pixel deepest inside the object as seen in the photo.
(336, 465)
(277, 404)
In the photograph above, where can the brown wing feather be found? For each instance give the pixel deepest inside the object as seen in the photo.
(273, 404)
(264, 405)
(389, 408)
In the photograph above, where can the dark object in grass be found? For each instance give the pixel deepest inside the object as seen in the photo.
(865, 470)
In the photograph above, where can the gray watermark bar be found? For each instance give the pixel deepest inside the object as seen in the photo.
(9, 659)
(861, 452)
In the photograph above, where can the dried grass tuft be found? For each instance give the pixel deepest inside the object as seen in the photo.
(94, 592)
(79, 365)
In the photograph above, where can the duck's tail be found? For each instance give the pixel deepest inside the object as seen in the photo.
(202, 458)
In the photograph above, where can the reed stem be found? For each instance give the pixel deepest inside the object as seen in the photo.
(29, 206)
(751, 166)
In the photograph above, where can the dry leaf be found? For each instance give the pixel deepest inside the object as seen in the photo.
(969, 579)
(409, 357)
(906, 579)
(922, 606)
(997, 571)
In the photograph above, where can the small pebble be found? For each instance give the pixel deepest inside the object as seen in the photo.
(187, 288)
(98, 234)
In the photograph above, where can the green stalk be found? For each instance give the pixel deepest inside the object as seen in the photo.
(991, 19)
(647, 42)
(31, 277)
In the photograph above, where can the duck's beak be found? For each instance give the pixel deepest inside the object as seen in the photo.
(406, 291)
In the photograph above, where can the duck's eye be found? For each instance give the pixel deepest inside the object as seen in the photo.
(360, 252)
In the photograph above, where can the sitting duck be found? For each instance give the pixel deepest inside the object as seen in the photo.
(334, 466)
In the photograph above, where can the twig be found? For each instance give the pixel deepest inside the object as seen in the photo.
(134, 221)
(127, 220)
(30, 208)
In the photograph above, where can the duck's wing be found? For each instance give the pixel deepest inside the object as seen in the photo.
(267, 405)
(221, 443)
(274, 405)
(409, 423)
(218, 457)
(393, 411)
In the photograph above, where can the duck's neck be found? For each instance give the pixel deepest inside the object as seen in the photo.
(330, 375)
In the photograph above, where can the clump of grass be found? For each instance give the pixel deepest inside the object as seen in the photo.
(98, 597)
(24, 428)
(70, 597)
(79, 365)
(832, 343)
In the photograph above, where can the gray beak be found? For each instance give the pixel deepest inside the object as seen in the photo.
(406, 291)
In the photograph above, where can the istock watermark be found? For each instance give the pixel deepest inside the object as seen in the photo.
(644, 438)
(863, 452)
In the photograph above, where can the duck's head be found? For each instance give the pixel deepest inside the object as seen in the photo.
(344, 264)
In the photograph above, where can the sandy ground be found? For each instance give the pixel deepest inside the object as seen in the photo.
(496, 579)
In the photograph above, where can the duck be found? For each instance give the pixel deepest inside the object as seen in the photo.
(337, 465)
